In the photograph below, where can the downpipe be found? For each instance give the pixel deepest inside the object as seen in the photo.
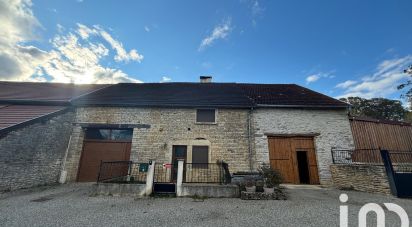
(249, 134)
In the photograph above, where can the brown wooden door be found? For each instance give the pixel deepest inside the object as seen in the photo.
(307, 144)
(96, 151)
(283, 156)
(280, 155)
(179, 152)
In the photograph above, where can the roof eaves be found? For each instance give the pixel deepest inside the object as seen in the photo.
(4, 131)
(34, 102)
(304, 106)
(162, 105)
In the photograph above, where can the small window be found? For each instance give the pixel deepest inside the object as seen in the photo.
(200, 157)
(206, 116)
(109, 134)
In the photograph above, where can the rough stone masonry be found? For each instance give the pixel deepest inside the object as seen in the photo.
(227, 138)
(32, 155)
(331, 125)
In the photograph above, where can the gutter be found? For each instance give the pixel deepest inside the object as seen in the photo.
(249, 136)
(303, 106)
(34, 102)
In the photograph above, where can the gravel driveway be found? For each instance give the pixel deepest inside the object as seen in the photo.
(71, 205)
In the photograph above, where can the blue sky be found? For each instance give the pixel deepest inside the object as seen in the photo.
(339, 48)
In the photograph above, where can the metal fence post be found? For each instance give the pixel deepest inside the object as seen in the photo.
(389, 171)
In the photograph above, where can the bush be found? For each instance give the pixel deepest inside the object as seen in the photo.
(250, 181)
(271, 177)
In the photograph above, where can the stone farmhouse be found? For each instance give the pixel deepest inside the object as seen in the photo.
(289, 126)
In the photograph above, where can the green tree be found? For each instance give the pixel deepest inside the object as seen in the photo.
(408, 117)
(378, 108)
(408, 83)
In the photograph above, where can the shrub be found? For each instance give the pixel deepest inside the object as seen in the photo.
(271, 176)
(249, 181)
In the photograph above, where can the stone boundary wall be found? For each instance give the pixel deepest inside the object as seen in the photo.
(365, 178)
(210, 190)
(32, 155)
(115, 189)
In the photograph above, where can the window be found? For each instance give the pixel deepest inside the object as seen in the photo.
(205, 115)
(200, 156)
(109, 134)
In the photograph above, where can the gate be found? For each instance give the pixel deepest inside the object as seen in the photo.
(398, 167)
(163, 180)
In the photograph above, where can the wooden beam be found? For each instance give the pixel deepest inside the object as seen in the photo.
(292, 135)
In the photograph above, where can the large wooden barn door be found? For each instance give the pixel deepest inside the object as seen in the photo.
(281, 158)
(295, 158)
(96, 151)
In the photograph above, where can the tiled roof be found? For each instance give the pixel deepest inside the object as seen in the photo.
(209, 94)
(43, 92)
(11, 115)
(23, 102)
(168, 94)
(288, 95)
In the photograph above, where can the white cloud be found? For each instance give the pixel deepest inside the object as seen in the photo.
(221, 31)
(17, 25)
(165, 79)
(121, 54)
(146, 28)
(383, 81)
(315, 77)
(312, 78)
(73, 57)
(256, 8)
(60, 28)
(346, 84)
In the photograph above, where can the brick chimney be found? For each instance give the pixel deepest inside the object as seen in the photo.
(205, 79)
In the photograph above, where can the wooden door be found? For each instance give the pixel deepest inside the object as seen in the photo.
(283, 156)
(96, 151)
(179, 152)
(307, 144)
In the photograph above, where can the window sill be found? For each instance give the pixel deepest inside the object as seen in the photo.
(206, 123)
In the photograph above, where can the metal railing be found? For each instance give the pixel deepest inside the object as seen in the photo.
(216, 173)
(356, 156)
(163, 173)
(122, 172)
(401, 161)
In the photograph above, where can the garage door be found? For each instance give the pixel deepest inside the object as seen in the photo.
(295, 158)
(106, 147)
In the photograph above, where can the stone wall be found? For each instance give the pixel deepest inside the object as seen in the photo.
(227, 139)
(210, 190)
(32, 155)
(365, 178)
(331, 125)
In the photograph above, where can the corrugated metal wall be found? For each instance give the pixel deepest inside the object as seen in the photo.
(373, 134)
